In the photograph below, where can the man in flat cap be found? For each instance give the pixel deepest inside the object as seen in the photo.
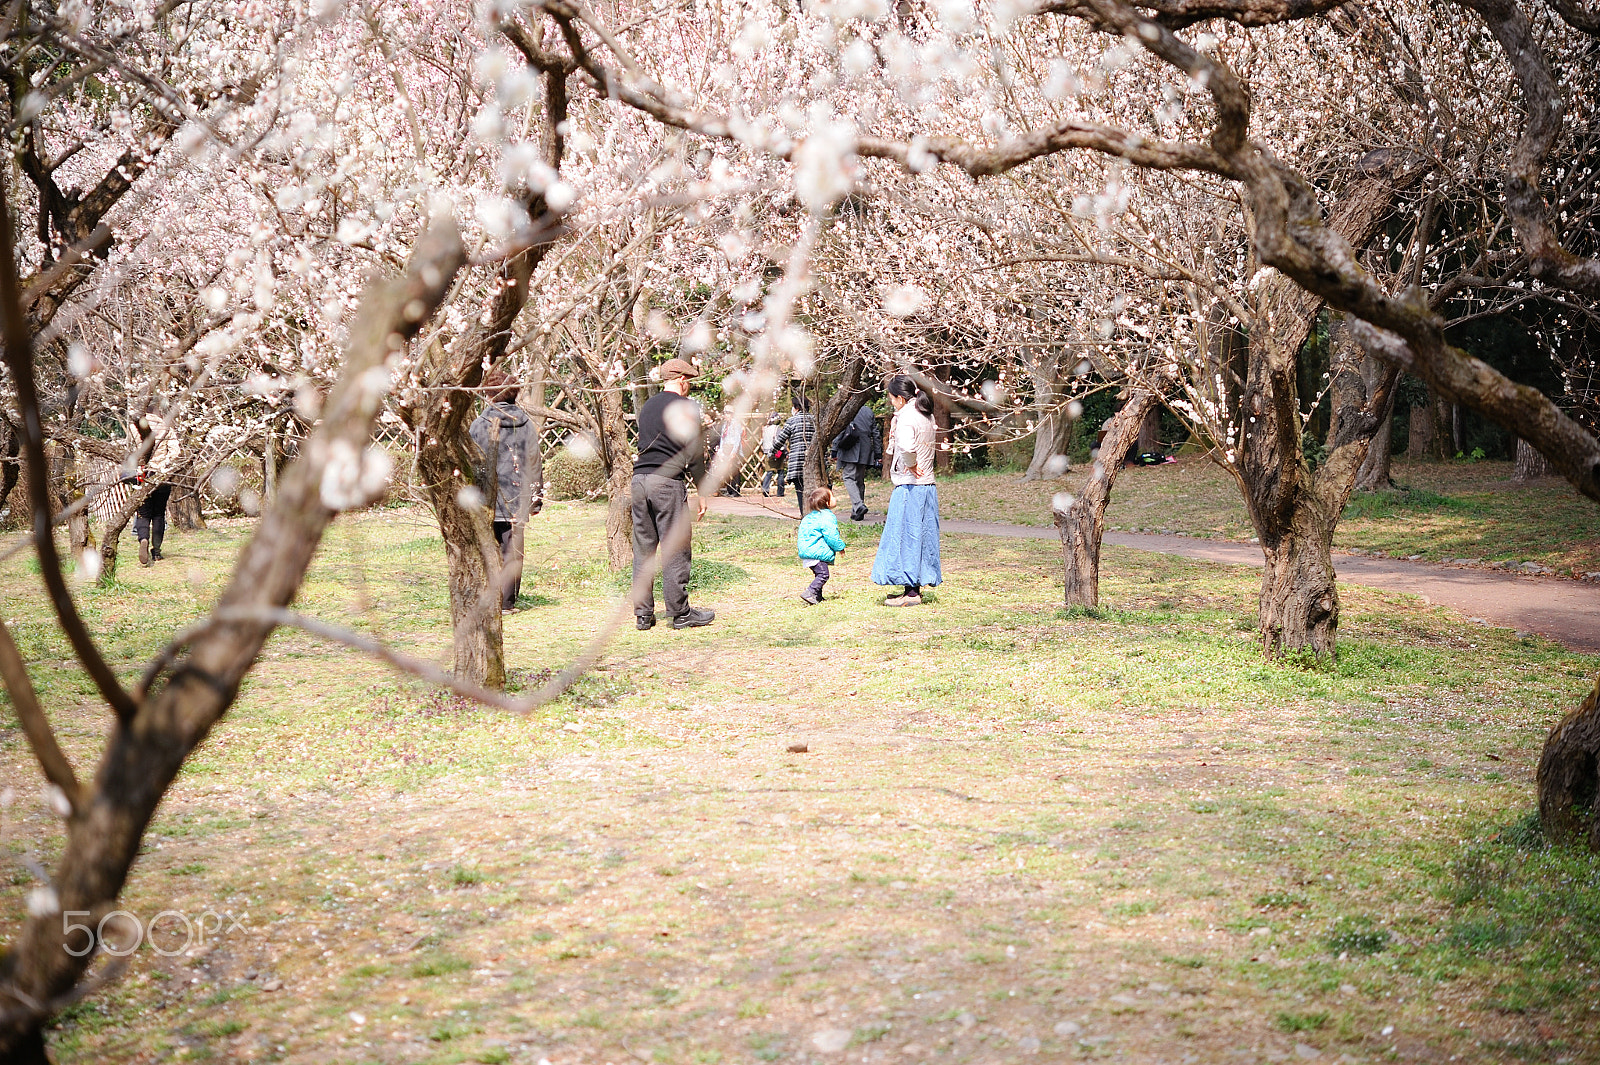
(670, 449)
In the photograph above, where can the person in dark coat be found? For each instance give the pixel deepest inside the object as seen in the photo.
(671, 448)
(853, 450)
(794, 440)
(504, 433)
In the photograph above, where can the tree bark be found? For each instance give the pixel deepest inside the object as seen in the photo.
(1299, 604)
(1294, 510)
(1082, 524)
(1053, 432)
(1530, 465)
(1568, 779)
(10, 461)
(1050, 441)
(184, 507)
(111, 535)
(1149, 432)
(618, 457)
(831, 421)
(1375, 472)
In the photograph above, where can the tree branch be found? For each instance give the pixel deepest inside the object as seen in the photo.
(35, 724)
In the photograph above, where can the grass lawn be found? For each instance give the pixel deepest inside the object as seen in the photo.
(1016, 832)
(1439, 511)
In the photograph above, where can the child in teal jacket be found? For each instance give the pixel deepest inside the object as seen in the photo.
(819, 542)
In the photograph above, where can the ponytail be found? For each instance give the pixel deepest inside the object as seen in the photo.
(907, 389)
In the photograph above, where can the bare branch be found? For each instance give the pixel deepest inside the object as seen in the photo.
(35, 725)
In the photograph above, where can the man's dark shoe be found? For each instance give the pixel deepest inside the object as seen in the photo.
(144, 552)
(693, 618)
(859, 514)
(642, 622)
(155, 553)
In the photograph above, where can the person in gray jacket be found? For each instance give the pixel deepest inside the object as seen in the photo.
(854, 449)
(504, 433)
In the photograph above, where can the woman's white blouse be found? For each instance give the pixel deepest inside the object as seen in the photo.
(914, 435)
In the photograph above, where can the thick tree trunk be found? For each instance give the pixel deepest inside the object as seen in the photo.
(1419, 432)
(472, 559)
(1374, 473)
(1082, 524)
(111, 535)
(1051, 437)
(1294, 511)
(1430, 431)
(1530, 465)
(617, 454)
(1569, 776)
(183, 510)
(1053, 431)
(944, 455)
(1149, 432)
(832, 417)
(1299, 605)
(79, 538)
(10, 460)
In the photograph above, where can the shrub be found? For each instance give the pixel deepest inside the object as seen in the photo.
(568, 477)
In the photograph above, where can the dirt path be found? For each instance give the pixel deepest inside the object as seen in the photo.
(1562, 610)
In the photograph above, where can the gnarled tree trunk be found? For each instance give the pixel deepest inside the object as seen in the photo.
(1082, 524)
(1294, 510)
(473, 561)
(832, 417)
(1569, 776)
(1299, 604)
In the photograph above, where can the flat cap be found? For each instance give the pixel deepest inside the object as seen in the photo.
(675, 368)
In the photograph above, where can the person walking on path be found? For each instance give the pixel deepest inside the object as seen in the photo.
(794, 439)
(730, 441)
(819, 542)
(670, 448)
(852, 450)
(504, 433)
(150, 518)
(908, 551)
(774, 457)
(150, 523)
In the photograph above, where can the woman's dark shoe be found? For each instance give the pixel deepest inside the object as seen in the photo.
(693, 618)
(642, 623)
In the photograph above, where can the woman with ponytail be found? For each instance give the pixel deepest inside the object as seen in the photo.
(908, 551)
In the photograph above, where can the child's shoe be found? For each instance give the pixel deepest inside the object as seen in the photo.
(810, 600)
